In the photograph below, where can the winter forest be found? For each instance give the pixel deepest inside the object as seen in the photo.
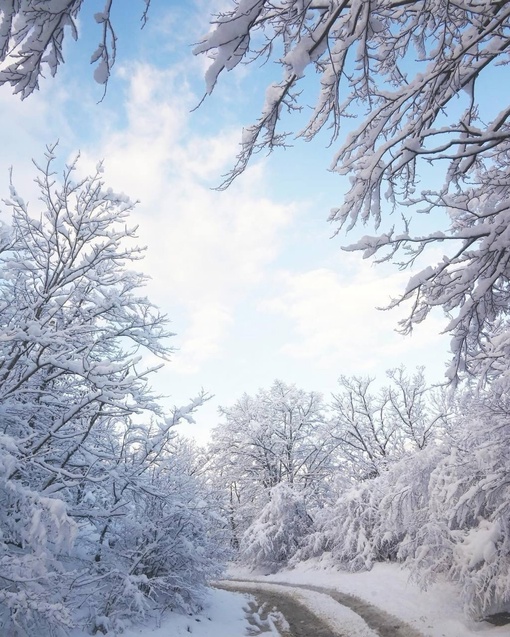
(108, 512)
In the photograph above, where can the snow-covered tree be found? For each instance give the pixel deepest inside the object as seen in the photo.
(376, 427)
(74, 326)
(275, 432)
(442, 511)
(279, 435)
(276, 534)
(470, 505)
(416, 74)
(334, 452)
(32, 38)
(95, 513)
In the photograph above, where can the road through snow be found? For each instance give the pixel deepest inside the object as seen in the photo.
(324, 612)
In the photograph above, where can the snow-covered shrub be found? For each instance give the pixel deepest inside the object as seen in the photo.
(470, 492)
(349, 528)
(34, 532)
(276, 534)
(403, 509)
(160, 538)
(163, 551)
(378, 519)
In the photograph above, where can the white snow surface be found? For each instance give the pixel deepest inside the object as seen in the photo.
(340, 618)
(436, 612)
(224, 616)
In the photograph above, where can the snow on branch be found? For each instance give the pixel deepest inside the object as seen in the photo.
(95, 503)
(414, 73)
(32, 37)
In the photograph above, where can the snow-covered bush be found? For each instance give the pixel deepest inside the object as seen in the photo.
(34, 532)
(470, 492)
(276, 534)
(403, 509)
(384, 518)
(162, 550)
(348, 531)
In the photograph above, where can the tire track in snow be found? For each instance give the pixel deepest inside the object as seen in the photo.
(309, 613)
(382, 624)
(299, 621)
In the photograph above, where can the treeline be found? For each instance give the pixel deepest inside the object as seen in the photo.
(403, 473)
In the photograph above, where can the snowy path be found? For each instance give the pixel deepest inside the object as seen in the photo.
(345, 615)
(435, 612)
(287, 616)
(298, 596)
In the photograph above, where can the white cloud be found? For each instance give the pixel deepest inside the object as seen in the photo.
(207, 249)
(27, 127)
(335, 324)
(202, 338)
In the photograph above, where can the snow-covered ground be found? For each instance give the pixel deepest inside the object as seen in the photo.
(224, 616)
(434, 613)
(340, 618)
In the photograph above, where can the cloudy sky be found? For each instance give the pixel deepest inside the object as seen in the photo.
(254, 284)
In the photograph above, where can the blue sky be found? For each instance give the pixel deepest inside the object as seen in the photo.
(253, 284)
